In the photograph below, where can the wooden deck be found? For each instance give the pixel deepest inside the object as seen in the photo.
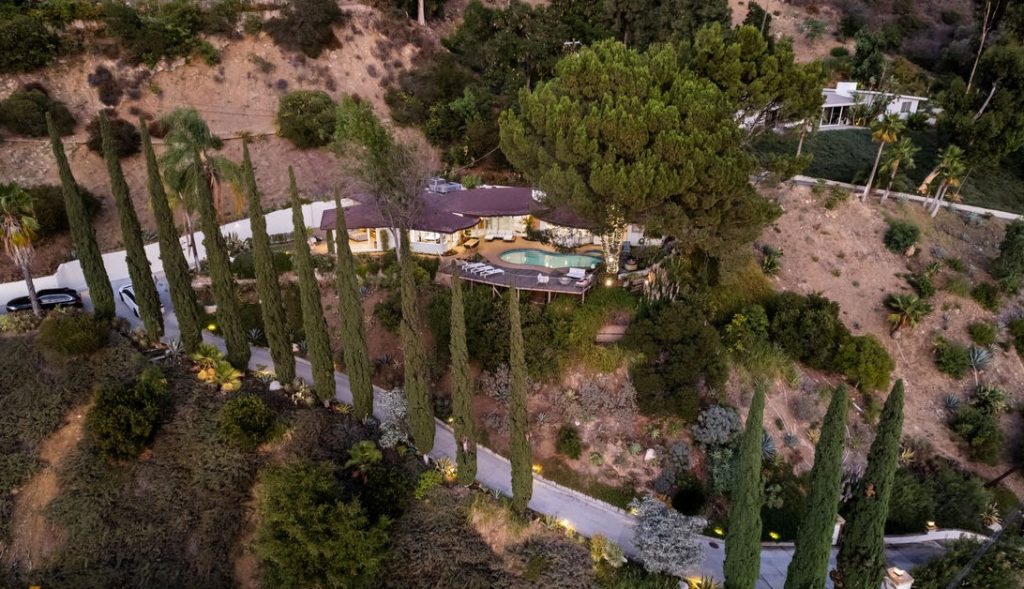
(522, 279)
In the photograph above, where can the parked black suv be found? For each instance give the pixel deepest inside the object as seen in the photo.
(49, 298)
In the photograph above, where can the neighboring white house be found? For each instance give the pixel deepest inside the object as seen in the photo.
(842, 101)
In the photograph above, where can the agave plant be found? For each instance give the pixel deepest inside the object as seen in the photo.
(447, 468)
(255, 336)
(989, 398)
(790, 440)
(907, 311)
(907, 455)
(991, 516)
(703, 583)
(768, 450)
(980, 359)
(952, 402)
(175, 349)
(771, 263)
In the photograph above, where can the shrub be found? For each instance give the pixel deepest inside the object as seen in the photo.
(980, 430)
(666, 541)
(901, 235)
(911, 505)
(1016, 329)
(127, 140)
(865, 362)
(168, 29)
(960, 497)
(428, 481)
(691, 496)
(1008, 267)
(26, 43)
(987, 295)
(21, 322)
(983, 333)
(221, 18)
(306, 118)
(306, 26)
(24, 113)
(716, 426)
(124, 419)
(680, 352)
(807, 328)
(246, 421)
(243, 265)
(72, 332)
(1000, 567)
(389, 311)
(303, 515)
(952, 358)
(569, 442)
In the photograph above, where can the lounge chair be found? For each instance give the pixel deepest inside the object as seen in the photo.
(491, 272)
(543, 278)
(577, 273)
(489, 236)
(481, 269)
(468, 266)
(508, 236)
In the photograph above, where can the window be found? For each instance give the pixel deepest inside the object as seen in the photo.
(905, 107)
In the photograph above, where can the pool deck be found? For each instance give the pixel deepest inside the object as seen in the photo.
(520, 276)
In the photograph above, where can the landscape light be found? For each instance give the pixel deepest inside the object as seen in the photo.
(773, 535)
(211, 327)
(538, 468)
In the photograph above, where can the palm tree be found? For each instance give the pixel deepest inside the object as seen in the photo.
(900, 156)
(883, 131)
(907, 311)
(18, 227)
(187, 135)
(952, 169)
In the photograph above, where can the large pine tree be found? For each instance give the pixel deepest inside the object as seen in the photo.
(318, 343)
(353, 336)
(462, 391)
(146, 295)
(228, 318)
(861, 560)
(743, 539)
(89, 256)
(421, 411)
(272, 310)
(186, 308)
(519, 437)
(809, 566)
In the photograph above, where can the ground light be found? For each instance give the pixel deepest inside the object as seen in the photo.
(774, 535)
(538, 469)
(211, 327)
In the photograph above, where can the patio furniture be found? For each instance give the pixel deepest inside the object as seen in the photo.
(471, 243)
(491, 272)
(543, 278)
(481, 269)
(564, 280)
(508, 236)
(577, 273)
(489, 237)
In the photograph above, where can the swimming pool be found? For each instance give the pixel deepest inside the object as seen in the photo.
(532, 257)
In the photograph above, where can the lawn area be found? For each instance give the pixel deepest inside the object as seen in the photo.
(847, 156)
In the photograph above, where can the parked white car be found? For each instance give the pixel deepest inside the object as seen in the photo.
(127, 294)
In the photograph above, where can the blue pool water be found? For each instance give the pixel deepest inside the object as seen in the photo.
(531, 257)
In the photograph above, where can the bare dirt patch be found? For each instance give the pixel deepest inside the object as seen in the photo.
(788, 21)
(34, 539)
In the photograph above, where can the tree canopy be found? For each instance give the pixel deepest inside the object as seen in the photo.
(621, 136)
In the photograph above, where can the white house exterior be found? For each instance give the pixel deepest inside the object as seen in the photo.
(841, 102)
(448, 218)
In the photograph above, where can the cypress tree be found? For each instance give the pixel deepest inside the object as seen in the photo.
(462, 393)
(809, 566)
(318, 343)
(186, 308)
(217, 261)
(89, 256)
(743, 539)
(271, 308)
(861, 560)
(519, 436)
(421, 412)
(131, 233)
(353, 337)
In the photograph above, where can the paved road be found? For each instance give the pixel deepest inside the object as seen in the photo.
(585, 514)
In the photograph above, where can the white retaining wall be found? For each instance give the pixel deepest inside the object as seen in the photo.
(69, 274)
